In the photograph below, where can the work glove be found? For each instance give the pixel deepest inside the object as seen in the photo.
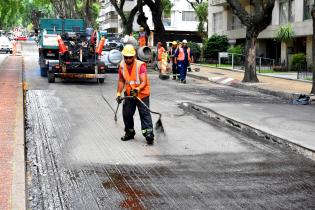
(119, 99)
(134, 92)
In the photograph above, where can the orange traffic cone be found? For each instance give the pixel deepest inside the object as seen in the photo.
(62, 46)
(100, 46)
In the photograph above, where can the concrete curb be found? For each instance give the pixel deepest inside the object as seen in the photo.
(284, 95)
(260, 74)
(211, 116)
(18, 198)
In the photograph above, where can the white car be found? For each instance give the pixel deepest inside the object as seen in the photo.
(5, 45)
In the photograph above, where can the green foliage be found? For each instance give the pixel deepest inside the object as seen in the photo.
(202, 15)
(214, 45)
(297, 60)
(19, 13)
(195, 49)
(285, 33)
(238, 49)
(202, 11)
(167, 6)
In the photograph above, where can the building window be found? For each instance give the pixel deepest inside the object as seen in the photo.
(189, 16)
(167, 19)
(308, 4)
(236, 23)
(217, 22)
(287, 11)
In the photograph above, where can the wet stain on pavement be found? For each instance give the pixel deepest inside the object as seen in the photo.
(132, 194)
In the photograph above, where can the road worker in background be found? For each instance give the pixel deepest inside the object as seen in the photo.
(183, 55)
(173, 60)
(142, 37)
(160, 50)
(133, 77)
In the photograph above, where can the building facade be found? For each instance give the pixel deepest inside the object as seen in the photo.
(296, 12)
(180, 24)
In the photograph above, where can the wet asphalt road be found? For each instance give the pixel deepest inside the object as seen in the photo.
(77, 161)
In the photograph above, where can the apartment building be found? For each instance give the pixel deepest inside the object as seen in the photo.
(180, 24)
(108, 17)
(296, 12)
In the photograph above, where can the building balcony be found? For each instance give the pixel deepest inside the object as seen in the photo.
(225, 3)
(218, 3)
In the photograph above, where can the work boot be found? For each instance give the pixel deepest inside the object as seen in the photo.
(183, 81)
(174, 77)
(128, 136)
(150, 138)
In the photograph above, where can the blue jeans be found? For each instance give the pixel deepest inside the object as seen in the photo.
(182, 68)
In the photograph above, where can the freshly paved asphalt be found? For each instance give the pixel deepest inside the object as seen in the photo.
(77, 161)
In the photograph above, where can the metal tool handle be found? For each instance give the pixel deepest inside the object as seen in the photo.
(136, 97)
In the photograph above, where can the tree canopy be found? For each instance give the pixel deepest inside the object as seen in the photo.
(24, 12)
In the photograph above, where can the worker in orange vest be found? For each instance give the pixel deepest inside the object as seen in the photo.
(133, 78)
(142, 37)
(183, 55)
(161, 50)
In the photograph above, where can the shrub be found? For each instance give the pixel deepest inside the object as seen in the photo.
(214, 45)
(298, 59)
(238, 49)
(195, 49)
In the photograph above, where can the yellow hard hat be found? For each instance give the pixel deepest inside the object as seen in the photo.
(129, 50)
(174, 43)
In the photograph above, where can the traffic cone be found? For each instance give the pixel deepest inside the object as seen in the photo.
(62, 46)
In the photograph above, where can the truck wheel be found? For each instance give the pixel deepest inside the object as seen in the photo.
(51, 78)
(101, 80)
(43, 72)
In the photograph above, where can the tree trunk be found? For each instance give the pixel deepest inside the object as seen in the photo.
(250, 57)
(159, 30)
(157, 10)
(313, 48)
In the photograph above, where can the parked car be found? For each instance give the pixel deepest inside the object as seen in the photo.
(5, 45)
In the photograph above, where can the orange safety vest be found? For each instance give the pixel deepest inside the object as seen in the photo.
(181, 54)
(161, 50)
(142, 39)
(132, 80)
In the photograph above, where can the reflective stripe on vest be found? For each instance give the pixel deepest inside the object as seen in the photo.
(137, 82)
(132, 79)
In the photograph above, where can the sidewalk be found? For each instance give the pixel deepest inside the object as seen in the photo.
(285, 88)
(12, 161)
(292, 125)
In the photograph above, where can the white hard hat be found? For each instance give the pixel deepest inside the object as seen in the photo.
(185, 41)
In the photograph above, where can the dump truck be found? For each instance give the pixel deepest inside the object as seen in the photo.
(69, 50)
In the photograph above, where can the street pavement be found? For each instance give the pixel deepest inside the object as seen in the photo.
(293, 123)
(75, 159)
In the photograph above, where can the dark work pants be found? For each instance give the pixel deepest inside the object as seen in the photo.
(182, 68)
(129, 109)
(175, 70)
